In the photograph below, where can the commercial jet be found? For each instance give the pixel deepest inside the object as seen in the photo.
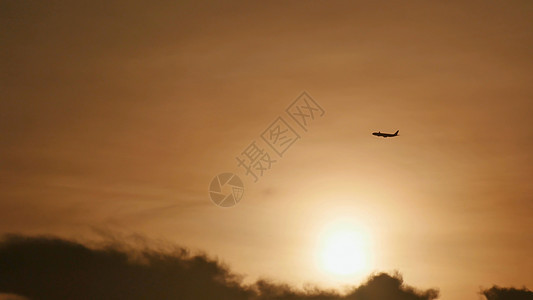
(386, 135)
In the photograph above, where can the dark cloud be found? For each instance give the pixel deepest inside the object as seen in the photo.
(379, 286)
(52, 268)
(4, 296)
(499, 293)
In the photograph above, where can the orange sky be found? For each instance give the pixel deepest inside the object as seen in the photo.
(115, 117)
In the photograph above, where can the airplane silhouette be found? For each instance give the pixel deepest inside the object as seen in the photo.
(385, 135)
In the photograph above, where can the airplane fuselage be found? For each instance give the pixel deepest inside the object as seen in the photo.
(385, 135)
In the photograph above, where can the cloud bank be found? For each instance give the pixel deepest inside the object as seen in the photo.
(500, 293)
(53, 268)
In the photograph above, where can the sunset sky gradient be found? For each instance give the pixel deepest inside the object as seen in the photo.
(114, 118)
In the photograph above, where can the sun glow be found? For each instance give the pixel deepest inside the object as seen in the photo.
(344, 250)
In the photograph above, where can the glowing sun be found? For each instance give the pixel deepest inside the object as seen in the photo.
(344, 251)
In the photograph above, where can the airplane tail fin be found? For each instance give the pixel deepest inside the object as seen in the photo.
(396, 133)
